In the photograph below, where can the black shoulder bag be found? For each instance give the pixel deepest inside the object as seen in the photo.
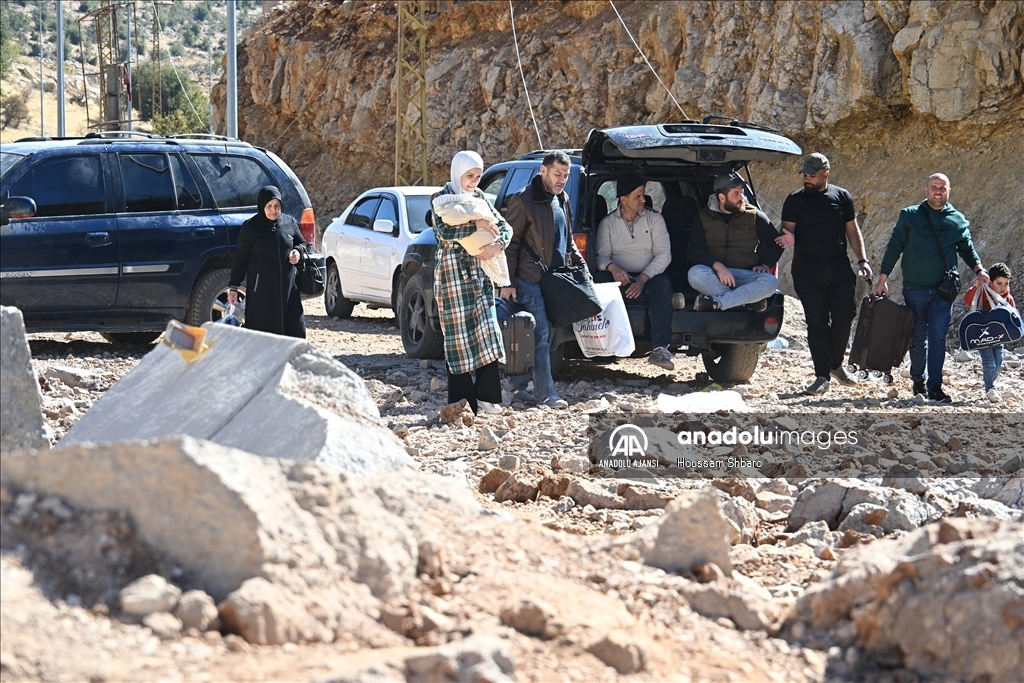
(950, 287)
(569, 295)
(310, 271)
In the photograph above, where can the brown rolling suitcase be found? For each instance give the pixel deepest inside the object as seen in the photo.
(882, 336)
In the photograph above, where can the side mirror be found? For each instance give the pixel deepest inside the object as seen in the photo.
(385, 225)
(17, 207)
(429, 219)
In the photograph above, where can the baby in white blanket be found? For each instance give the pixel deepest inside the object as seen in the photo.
(459, 209)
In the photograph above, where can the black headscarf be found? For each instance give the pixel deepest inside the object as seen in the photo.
(262, 199)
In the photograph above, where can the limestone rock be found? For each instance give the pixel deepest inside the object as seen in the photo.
(534, 617)
(519, 487)
(73, 377)
(166, 626)
(619, 651)
(554, 486)
(692, 531)
(197, 610)
(265, 394)
(265, 613)
(600, 495)
(459, 412)
(488, 440)
(494, 478)
(477, 658)
(151, 593)
(944, 600)
(21, 418)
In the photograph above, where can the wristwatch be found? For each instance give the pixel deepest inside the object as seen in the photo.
(862, 262)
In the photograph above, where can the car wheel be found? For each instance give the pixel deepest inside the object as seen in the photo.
(210, 297)
(418, 337)
(140, 338)
(337, 306)
(732, 362)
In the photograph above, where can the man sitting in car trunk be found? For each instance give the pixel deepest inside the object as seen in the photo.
(733, 246)
(634, 249)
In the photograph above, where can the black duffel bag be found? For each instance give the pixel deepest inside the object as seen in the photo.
(310, 272)
(569, 295)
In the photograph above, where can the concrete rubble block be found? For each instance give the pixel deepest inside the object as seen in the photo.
(197, 610)
(270, 395)
(533, 617)
(692, 531)
(619, 651)
(477, 658)
(944, 601)
(151, 593)
(21, 417)
(225, 514)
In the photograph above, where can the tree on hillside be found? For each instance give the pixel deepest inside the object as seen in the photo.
(190, 102)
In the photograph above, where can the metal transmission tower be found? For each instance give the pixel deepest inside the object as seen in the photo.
(114, 99)
(411, 96)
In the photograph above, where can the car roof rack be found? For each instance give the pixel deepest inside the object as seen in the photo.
(120, 134)
(202, 136)
(732, 121)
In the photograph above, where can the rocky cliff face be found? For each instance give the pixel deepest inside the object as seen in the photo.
(890, 90)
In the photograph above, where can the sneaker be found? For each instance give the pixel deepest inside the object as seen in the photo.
(843, 376)
(993, 395)
(678, 301)
(705, 303)
(523, 396)
(487, 408)
(757, 306)
(938, 395)
(820, 386)
(919, 389)
(555, 403)
(661, 357)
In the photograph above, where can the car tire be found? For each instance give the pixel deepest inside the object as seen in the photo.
(209, 297)
(732, 362)
(138, 338)
(336, 305)
(419, 338)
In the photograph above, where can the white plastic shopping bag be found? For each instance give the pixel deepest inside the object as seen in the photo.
(608, 333)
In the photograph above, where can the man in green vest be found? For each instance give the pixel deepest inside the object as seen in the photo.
(733, 246)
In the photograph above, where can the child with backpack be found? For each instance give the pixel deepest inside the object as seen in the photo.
(992, 357)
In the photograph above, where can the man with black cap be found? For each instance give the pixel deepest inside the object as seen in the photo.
(733, 246)
(819, 221)
(634, 249)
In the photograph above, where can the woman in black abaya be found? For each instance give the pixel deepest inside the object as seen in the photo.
(266, 258)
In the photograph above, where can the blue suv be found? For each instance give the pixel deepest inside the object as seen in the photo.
(119, 232)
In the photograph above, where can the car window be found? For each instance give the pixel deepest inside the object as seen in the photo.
(417, 206)
(362, 213)
(654, 191)
(520, 177)
(64, 186)
(388, 211)
(490, 185)
(234, 180)
(148, 185)
(185, 187)
(8, 160)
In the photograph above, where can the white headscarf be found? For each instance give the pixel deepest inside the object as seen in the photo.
(462, 162)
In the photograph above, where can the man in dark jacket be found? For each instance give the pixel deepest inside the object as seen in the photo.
(733, 246)
(913, 243)
(541, 221)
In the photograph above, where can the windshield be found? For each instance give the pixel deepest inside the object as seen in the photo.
(7, 161)
(417, 207)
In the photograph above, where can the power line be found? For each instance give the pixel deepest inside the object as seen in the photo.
(519, 59)
(637, 45)
(170, 60)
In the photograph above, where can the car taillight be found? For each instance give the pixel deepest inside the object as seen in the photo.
(771, 324)
(580, 238)
(307, 226)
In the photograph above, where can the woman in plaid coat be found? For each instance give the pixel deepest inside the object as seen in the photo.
(465, 296)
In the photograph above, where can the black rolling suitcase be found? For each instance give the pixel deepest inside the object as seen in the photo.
(882, 336)
(517, 333)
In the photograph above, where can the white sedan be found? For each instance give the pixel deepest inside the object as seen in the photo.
(365, 246)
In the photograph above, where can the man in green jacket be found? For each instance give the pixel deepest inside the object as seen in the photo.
(924, 268)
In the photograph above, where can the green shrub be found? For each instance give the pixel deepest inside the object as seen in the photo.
(13, 110)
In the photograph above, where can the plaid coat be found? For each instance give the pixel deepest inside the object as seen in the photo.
(465, 297)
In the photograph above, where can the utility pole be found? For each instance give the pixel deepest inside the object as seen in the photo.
(411, 93)
(42, 128)
(60, 69)
(128, 68)
(231, 117)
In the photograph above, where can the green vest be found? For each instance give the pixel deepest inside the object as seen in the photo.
(733, 243)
